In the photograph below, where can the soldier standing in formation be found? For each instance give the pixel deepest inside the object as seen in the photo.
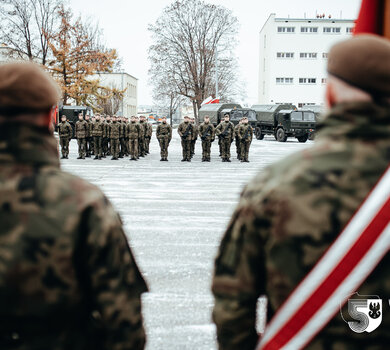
(207, 135)
(68, 278)
(164, 136)
(245, 135)
(88, 138)
(220, 139)
(148, 135)
(133, 133)
(114, 134)
(126, 121)
(97, 129)
(122, 136)
(141, 140)
(81, 131)
(185, 130)
(225, 132)
(237, 139)
(106, 136)
(65, 132)
(194, 136)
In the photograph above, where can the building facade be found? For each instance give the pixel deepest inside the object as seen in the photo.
(293, 58)
(122, 81)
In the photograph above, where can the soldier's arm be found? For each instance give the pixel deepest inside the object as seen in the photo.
(239, 279)
(115, 283)
(218, 130)
(170, 133)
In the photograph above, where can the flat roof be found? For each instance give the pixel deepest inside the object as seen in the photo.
(310, 20)
(118, 73)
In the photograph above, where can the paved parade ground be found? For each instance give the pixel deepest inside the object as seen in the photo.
(174, 215)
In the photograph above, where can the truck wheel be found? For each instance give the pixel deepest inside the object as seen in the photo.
(259, 135)
(303, 138)
(281, 135)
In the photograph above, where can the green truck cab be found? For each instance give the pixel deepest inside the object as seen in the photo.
(216, 112)
(283, 121)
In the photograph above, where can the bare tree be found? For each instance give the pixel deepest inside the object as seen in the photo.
(186, 38)
(109, 100)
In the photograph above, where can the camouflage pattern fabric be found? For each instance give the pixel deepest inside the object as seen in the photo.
(65, 132)
(207, 135)
(122, 139)
(194, 138)
(106, 138)
(185, 131)
(225, 132)
(133, 132)
(68, 279)
(164, 136)
(81, 131)
(97, 129)
(148, 136)
(287, 218)
(237, 139)
(141, 140)
(245, 135)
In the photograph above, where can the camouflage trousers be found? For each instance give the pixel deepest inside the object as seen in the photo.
(238, 148)
(220, 146)
(133, 148)
(147, 143)
(64, 142)
(89, 146)
(193, 142)
(114, 147)
(141, 146)
(97, 146)
(164, 143)
(105, 145)
(245, 149)
(206, 149)
(122, 144)
(225, 145)
(186, 146)
(82, 147)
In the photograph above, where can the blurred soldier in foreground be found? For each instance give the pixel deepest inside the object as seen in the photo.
(133, 131)
(225, 132)
(148, 135)
(245, 135)
(97, 128)
(194, 136)
(164, 136)
(291, 213)
(185, 131)
(206, 133)
(114, 135)
(65, 132)
(68, 279)
(237, 138)
(81, 130)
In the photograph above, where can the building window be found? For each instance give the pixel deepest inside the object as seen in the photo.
(303, 104)
(329, 30)
(311, 55)
(309, 29)
(286, 29)
(285, 54)
(349, 30)
(307, 80)
(323, 81)
(324, 55)
(284, 80)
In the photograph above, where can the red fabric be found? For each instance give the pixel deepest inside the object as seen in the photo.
(370, 19)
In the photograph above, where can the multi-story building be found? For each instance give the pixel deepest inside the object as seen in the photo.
(122, 81)
(293, 58)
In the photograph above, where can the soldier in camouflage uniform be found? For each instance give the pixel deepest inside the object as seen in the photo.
(185, 131)
(194, 136)
(114, 132)
(97, 135)
(245, 135)
(106, 138)
(88, 137)
(122, 136)
(237, 139)
(164, 136)
(207, 135)
(141, 140)
(65, 132)
(225, 132)
(220, 139)
(133, 131)
(81, 131)
(148, 136)
(126, 121)
(292, 212)
(68, 279)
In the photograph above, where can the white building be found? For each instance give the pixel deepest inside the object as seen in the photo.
(293, 58)
(122, 81)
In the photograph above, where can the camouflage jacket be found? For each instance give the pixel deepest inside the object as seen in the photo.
(114, 130)
(195, 132)
(236, 128)
(207, 131)
(68, 279)
(142, 126)
(133, 130)
(242, 132)
(97, 128)
(149, 130)
(185, 130)
(81, 129)
(289, 215)
(164, 131)
(122, 130)
(225, 128)
(89, 127)
(106, 129)
(65, 130)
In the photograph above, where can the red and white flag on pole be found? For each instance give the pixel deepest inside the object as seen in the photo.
(210, 100)
(343, 268)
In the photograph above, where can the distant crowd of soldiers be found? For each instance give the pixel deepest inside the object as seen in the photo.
(114, 136)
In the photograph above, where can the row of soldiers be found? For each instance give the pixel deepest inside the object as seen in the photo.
(104, 136)
(226, 132)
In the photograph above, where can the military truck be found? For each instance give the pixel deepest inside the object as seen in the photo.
(72, 113)
(319, 112)
(283, 121)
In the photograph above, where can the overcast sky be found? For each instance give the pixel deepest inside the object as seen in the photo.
(125, 23)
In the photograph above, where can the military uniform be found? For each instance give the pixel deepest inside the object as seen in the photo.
(106, 138)
(225, 132)
(185, 131)
(148, 136)
(97, 135)
(164, 136)
(89, 139)
(245, 135)
(194, 138)
(220, 140)
(237, 139)
(114, 134)
(287, 218)
(65, 132)
(207, 135)
(81, 131)
(122, 137)
(141, 140)
(133, 131)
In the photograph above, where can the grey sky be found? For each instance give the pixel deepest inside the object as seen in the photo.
(125, 24)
